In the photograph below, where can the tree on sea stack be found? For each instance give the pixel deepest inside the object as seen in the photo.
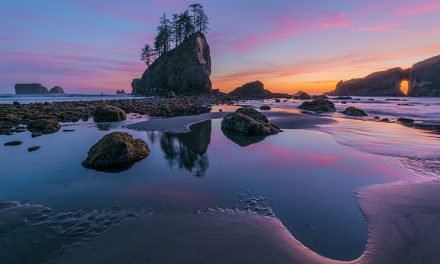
(175, 31)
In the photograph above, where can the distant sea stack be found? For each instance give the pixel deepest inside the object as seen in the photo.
(184, 70)
(251, 89)
(36, 88)
(423, 80)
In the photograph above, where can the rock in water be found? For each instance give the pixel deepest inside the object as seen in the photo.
(56, 90)
(30, 88)
(43, 126)
(250, 89)
(302, 96)
(265, 107)
(249, 121)
(318, 105)
(425, 78)
(184, 70)
(115, 152)
(34, 148)
(108, 113)
(353, 111)
(384, 83)
(13, 143)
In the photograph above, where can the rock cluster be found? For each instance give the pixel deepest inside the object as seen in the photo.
(249, 121)
(318, 105)
(36, 88)
(184, 70)
(115, 152)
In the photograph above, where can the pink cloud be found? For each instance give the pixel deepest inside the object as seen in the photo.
(418, 8)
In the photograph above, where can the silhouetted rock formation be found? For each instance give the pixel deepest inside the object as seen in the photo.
(56, 90)
(249, 121)
(250, 89)
(120, 92)
(184, 70)
(318, 105)
(425, 78)
(353, 111)
(384, 83)
(302, 96)
(30, 88)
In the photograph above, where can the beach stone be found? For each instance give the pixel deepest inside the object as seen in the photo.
(116, 151)
(108, 113)
(43, 126)
(34, 148)
(405, 121)
(353, 111)
(265, 107)
(318, 105)
(302, 96)
(249, 121)
(13, 143)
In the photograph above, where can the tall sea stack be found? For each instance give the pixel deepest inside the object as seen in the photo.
(184, 70)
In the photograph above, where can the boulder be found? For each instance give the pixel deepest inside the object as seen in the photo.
(251, 89)
(265, 107)
(43, 126)
(318, 105)
(108, 113)
(13, 143)
(115, 152)
(384, 83)
(184, 70)
(302, 96)
(425, 78)
(249, 121)
(30, 88)
(353, 111)
(56, 90)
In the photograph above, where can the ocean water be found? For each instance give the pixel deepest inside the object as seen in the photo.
(306, 178)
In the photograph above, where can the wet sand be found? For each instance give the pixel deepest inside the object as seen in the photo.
(403, 219)
(181, 124)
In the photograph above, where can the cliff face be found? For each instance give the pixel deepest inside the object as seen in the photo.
(184, 70)
(251, 89)
(384, 83)
(425, 78)
(30, 88)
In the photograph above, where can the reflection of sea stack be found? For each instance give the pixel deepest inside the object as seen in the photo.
(188, 150)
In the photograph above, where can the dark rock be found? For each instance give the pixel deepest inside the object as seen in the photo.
(43, 126)
(318, 105)
(250, 89)
(321, 96)
(120, 92)
(115, 152)
(353, 111)
(34, 148)
(265, 107)
(30, 88)
(57, 90)
(425, 78)
(384, 83)
(386, 120)
(249, 121)
(302, 96)
(16, 103)
(13, 143)
(68, 130)
(108, 113)
(184, 70)
(404, 120)
(277, 101)
(343, 98)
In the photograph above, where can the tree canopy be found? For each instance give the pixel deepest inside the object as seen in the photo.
(174, 30)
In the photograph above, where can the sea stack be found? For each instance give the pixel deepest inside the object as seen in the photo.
(184, 70)
(425, 78)
(251, 89)
(30, 88)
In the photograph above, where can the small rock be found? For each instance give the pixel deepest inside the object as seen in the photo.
(108, 113)
(353, 111)
(13, 143)
(318, 105)
(405, 121)
(343, 98)
(265, 107)
(34, 148)
(43, 126)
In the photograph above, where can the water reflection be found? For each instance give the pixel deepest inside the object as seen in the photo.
(187, 150)
(241, 139)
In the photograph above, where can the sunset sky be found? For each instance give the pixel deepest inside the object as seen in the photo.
(92, 46)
